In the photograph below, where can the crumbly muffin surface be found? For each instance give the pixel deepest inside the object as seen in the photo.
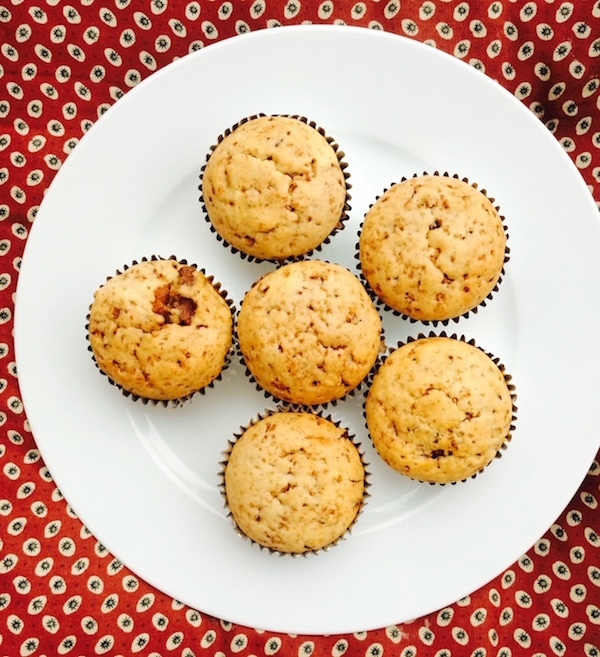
(438, 410)
(160, 330)
(432, 247)
(294, 482)
(274, 188)
(308, 332)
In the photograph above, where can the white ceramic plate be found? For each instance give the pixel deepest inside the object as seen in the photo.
(145, 479)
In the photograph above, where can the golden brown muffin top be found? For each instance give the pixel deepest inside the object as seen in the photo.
(160, 329)
(308, 332)
(432, 247)
(294, 482)
(439, 409)
(274, 188)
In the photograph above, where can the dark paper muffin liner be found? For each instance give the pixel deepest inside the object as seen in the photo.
(292, 258)
(360, 388)
(434, 322)
(290, 408)
(179, 401)
(507, 379)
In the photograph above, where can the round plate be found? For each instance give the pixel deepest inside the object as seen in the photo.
(145, 479)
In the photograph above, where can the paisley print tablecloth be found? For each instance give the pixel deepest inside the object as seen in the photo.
(62, 65)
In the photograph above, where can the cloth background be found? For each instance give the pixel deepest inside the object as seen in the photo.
(61, 67)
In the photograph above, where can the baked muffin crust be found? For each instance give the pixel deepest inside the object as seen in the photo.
(432, 247)
(294, 482)
(274, 188)
(308, 332)
(160, 330)
(438, 410)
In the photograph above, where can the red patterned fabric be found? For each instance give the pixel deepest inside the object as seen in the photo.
(61, 66)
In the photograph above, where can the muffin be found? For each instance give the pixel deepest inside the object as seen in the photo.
(433, 247)
(308, 332)
(439, 409)
(161, 330)
(274, 188)
(294, 482)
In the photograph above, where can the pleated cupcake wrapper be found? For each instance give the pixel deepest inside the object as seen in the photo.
(360, 388)
(291, 408)
(179, 401)
(507, 378)
(434, 322)
(292, 258)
